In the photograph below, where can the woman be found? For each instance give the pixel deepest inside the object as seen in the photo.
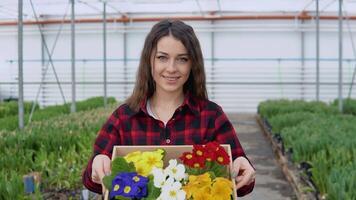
(169, 105)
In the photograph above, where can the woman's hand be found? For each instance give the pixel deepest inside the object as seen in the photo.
(244, 171)
(101, 167)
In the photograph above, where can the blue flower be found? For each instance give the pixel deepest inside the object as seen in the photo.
(130, 185)
(117, 187)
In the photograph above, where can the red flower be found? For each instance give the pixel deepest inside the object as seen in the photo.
(199, 150)
(187, 159)
(213, 146)
(198, 162)
(210, 155)
(191, 160)
(212, 151)
(222, 157)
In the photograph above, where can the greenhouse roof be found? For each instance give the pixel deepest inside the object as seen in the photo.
(84, 8)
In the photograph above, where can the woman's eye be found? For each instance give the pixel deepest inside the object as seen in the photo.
(162, 58)
(182, 60)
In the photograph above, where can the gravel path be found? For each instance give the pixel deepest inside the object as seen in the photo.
(270, 181)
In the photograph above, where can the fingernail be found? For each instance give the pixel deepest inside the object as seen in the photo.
(107, 173)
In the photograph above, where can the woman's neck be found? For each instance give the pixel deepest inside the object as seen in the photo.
(166, 100)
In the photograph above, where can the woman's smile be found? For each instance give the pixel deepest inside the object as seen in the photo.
(171, 79)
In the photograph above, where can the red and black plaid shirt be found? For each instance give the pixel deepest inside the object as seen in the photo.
(194, 122)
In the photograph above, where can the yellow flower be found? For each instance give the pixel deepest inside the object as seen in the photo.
(196, 183)
(145, 161)
(142, 169)
(133, 156)
(225, 181)
(148, 160)
(222, 189)
(202, 194)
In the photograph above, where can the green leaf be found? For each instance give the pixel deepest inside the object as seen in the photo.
(107, 180)
(153, 192)
(212, 175)
(219, 170)
(164, 153)
(121, 198)
(120, 165)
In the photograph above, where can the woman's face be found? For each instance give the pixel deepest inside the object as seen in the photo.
(171, 65)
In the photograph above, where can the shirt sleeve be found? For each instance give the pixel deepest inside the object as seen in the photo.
(226, 134)
(108, 136)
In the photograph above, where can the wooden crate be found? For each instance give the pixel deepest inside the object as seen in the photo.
(172, 152)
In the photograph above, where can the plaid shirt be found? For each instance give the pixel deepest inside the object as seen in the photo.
(194, 122)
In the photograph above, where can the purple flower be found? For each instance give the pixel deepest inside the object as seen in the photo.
(130, 185)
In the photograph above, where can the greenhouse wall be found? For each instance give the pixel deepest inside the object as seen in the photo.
(246, 61)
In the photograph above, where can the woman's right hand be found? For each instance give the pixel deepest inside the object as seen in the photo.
(101, 167)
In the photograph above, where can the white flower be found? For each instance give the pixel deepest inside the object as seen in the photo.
(159, 177)
(168, 184)
(177, 171)
(173, 192)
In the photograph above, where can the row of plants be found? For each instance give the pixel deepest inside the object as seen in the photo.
(10, 120)
(10, 108)
(56, 146)
(320, 139)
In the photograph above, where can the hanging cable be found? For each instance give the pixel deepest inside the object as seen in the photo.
(200, 9)
(89, 5)
(50, 54)
(327, 5)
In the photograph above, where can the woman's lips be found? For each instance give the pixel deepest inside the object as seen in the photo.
(171, 79)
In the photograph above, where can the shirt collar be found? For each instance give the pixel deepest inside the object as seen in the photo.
(189, 101)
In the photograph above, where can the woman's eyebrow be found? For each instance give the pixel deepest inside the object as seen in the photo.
(162, 52)
(182, 54)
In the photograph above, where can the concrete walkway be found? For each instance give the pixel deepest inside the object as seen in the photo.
(270, 181)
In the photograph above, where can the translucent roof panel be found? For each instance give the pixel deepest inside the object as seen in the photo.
(56, 8)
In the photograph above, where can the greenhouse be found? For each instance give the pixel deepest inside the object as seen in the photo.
(90, 89)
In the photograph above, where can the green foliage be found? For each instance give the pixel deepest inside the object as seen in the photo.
(270, 108)
(213, 168)
(349, 105)
(58, 147)
(320, 137)
(278, 122)
(11, 108)
(10, 123)
(153, 192)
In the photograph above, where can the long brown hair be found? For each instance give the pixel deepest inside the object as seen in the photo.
(145, 86)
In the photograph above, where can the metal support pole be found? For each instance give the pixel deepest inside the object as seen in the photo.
(340, 57)
(125, 60)
(43, 70)
(317, 52)
(20, 58)
(212, 41)
(104, 51)
(302, 52)
(73, 106)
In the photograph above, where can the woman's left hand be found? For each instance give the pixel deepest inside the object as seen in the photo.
(244, 171)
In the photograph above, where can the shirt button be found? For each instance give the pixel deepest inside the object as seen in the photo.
(168, 141)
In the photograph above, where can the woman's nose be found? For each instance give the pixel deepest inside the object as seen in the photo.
(171, 67)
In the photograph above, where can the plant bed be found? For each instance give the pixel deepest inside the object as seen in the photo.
(302, 187)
